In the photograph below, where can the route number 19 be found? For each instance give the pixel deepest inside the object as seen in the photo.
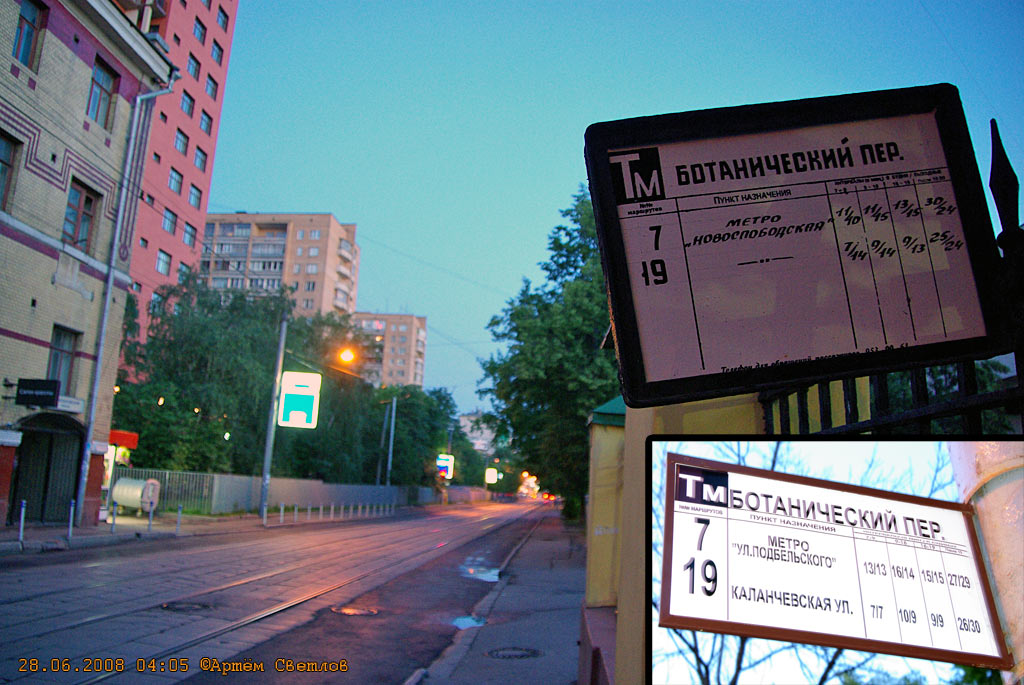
(708, 570)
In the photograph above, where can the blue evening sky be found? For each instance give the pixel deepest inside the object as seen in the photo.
(451, 132)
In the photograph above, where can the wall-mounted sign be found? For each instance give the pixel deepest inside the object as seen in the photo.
(752, 247)
(762, 554)
(37, 392)
(300, 399)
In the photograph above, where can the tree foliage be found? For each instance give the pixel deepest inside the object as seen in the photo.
(210, 356)
(553, 372)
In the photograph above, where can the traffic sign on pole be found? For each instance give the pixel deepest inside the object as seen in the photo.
(300, 399)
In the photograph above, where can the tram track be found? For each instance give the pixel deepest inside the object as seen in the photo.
(149, 576)
(305, 565)
(376, 569)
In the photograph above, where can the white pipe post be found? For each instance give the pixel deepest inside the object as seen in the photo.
(21, 523)
(71, 519)
(990, 475)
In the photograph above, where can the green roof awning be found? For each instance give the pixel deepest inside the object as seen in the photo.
(611, 413)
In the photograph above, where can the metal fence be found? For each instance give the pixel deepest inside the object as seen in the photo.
(923, 401)
(193, 491)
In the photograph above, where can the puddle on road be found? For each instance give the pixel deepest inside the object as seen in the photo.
(475, 567)
(463, 622)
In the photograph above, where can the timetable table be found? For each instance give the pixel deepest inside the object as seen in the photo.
(840, 258)
(775, 553)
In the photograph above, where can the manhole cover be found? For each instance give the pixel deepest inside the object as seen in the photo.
(513, 653)
(184, 606)
(354, 611)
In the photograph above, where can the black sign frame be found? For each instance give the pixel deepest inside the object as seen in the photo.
(942, 99)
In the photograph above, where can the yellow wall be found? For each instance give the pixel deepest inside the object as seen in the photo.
(604, 514)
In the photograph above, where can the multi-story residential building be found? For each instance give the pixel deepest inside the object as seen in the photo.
(480, 435)
(313, 253)
(404, 344)
(74, 94)
(175, 187)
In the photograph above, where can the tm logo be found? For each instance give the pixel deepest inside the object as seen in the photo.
(639, 175)
(699, 486)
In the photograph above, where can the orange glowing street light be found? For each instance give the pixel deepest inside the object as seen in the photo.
(347, 355)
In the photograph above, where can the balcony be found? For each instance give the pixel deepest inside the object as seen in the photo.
(344, 271)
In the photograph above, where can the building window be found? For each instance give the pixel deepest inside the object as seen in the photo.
(30, 23)
(296, 268)
(310, 286)
(218, 282)
(307, 303)
(183, 272)
(143, 243)
(222, 18)
(189, 236)
(298, 252)
(195, 197)
(62, 354)
(156, 304)
(211, 87)
(217, 52)
(100, 95)
(199, 31)
(299, 235)
(193, 66)
(311, 268)
(174, 180)
(199, 159)
(78, 216)
(314, 251)
(7, 147)
(206, 122)
(237, 282)
(170, 221)
(188, 103)
(163, 262)
(181, 142)
(314, 235)
(345, 245)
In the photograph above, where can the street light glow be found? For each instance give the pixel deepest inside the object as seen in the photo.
(347, 355)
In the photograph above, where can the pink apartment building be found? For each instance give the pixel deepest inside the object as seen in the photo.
(174, 189)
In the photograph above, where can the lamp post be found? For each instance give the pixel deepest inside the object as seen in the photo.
(268, 445)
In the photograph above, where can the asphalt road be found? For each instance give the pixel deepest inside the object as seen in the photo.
(134, 613)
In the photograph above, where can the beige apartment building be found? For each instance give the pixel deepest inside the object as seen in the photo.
(76, 89)
(404, 347)
(312, 252)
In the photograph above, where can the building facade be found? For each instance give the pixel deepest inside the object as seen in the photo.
(172, 200)
(404, 348)
(313, 253)
(78, 79)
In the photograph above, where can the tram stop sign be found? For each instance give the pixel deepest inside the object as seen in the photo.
(300, 399)
(762, 554)
(748, 248)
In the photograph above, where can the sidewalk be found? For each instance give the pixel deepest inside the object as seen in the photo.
(531, 619)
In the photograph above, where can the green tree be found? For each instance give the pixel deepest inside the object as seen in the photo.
(210, 350)
(554, 372)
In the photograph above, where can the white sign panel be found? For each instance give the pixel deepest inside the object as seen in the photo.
(827, 240)
(810, 561)
(300, 399)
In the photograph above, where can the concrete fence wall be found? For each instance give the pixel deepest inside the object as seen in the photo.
(221, 493)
